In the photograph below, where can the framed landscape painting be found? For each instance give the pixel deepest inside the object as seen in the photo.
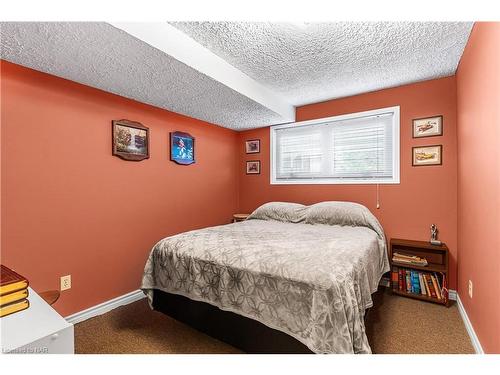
(130, 140)
(182, 148)
(253, 167)
(427, 155)
(428, 127)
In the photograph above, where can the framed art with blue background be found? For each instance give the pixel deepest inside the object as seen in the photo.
(182, 148)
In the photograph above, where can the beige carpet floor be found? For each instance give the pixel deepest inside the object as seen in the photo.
(394, 325)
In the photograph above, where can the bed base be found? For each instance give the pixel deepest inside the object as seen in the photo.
(243, 333)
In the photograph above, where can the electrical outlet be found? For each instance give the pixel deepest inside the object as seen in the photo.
(65, 282)
(470, 288)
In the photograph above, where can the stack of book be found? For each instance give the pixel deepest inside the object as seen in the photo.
(432, 285)
(409, 259)
(13, 292)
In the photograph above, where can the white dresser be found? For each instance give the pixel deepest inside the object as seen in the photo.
(38, 329)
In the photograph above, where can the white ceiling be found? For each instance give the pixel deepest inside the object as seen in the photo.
(308, 63)
(294, 64)
(101, 56)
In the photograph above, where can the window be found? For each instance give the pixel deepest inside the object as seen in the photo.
(359, 148)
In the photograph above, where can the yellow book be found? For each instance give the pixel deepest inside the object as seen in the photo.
(11, 281)
(13, 297)
(14, 307)
(5, 289)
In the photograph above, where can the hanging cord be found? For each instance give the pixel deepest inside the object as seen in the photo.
(378, 197)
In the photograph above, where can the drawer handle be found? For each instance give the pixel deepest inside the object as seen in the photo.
(54, 336)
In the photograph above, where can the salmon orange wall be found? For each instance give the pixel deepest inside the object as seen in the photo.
(70, 207)
(478, 103)
(425, 195)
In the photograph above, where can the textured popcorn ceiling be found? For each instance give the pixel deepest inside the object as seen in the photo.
(307, 63)
(300, 63)
(101, 56)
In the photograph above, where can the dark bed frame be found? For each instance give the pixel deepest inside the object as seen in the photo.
(243, 333)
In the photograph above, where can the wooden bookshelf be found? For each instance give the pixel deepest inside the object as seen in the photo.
(437, 259)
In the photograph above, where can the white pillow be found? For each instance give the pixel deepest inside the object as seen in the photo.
(280, 211)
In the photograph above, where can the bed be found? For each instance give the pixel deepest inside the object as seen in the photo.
(307, 272)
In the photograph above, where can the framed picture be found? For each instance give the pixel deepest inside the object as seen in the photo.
(253, 167)
(182, 148)
(428, 127)
(427, 155)
(130, 140)
(252, 146)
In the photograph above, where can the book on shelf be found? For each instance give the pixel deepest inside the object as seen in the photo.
(444, 287)
(423, 291)
(409, 259)
(427, 291)
(431, 287)
(416, 282)
(435, 285)
(428, 286)
(394, 279)
(440, 287)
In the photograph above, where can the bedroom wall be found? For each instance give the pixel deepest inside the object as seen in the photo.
(70, 207)
(425, 195)
(478, 95)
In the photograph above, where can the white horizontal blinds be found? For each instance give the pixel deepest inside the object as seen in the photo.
(300, 152)
(362, 148)
(357, 148)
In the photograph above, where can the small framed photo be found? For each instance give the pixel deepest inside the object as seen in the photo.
(253, 167)
(182, 148)
(130, 140)
(252, 146)
(428, 127)
(427, 155)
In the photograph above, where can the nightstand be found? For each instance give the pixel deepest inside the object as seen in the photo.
(240, 217)
(436, 272)
(37, 330)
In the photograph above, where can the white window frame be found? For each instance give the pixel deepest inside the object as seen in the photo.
(339, 180)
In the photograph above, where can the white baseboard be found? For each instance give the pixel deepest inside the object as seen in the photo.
(452, 295)
(104, 307)
(468, 326)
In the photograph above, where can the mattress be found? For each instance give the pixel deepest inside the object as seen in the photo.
(310, 280)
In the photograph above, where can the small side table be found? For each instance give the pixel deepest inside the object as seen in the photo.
(437, 258)
(38, 329)
(240, 217)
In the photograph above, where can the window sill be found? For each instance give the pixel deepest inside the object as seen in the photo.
(335, 182)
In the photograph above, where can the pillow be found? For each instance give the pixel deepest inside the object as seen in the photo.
(280, 211)
(344, 213)
(348, 214)
(338, 213)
